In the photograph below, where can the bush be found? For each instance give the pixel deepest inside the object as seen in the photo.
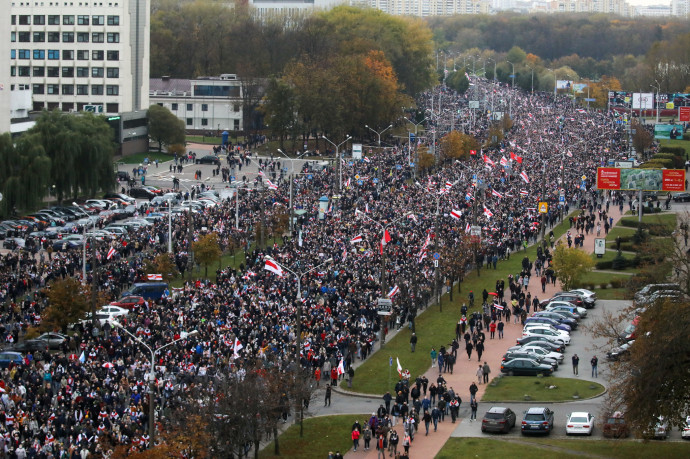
(679, 151)
(617, 283)
(686, 136)
(620, 262)
(654, 228)
(604, 265)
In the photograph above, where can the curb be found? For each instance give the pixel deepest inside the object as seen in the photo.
(355, 394)
(557, 401)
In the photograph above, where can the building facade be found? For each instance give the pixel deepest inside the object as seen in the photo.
(206, 104)
(81, 55)
(5, 75)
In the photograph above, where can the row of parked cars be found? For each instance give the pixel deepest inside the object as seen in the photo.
(536, 420)
(546, 333)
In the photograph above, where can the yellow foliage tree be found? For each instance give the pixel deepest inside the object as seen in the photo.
(570, 264)
(207, 250)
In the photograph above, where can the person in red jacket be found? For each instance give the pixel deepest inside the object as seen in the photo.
(355, 439)
(334, 377)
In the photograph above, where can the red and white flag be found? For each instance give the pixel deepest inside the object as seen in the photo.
(456, 214)
(488, 161)
(155, 277)
(356, 239)
(488, 212)
(524, 192)
(347, 183)
(412, 217)
(341, 368)
(524, 177)
(271, 185)
(498, 306)
(367, 160)
(274, 267)
(467, 228)
(399, 366)
(568, 154)
(111, 253)
(504, 161)
(515, 157)
(496, 193)
(386, 237)
(237, 346)
(473, 152)
(449, 185)
(394, 291)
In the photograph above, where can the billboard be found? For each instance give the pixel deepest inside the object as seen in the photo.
(615, 178)
(668, 131)
(356, 151)
(684, 114)
(643, 100)
(564, 84)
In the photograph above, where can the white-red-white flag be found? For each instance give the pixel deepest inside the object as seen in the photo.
(488, 212)
(271, 185)
(504, 161)
(467, 228)
(341, 368)
(524, 192)
(496, 193)
(155, 277)
(399, 366)
(449, 185)
(456, 214)
(111, 253)
(524, 177)
(395, 290)
(272, 266)
(386, 237)
(356, 239)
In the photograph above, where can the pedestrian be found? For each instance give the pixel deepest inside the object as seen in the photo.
(366, 435)
(492, 329)
(381, 445)
(595, 364)
(327, 400)
(434, 355)
(427, 420)
(480, 350)
(480, 374)
(355, 439)
(413, 341)
(435, 415)
(499, 327)
(576, 362)
(387, 400)
(406, 443)
(393, 443)
(350, 375)
(486, 370)
(468, 348)
(473, 390)
(473, 406)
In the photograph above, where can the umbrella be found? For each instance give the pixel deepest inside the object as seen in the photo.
(493, 293)
(108, 365)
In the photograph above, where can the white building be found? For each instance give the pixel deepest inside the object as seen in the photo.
(653, 10)
(76, 54)
(4, 75)
(680, 8)
(424, 8)
(290, 8)
(204, 104)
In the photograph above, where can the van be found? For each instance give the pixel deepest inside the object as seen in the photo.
(147, 290)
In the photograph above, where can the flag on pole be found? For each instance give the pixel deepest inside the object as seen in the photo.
(568, 154)
(488, 161)
(523, 174)
(412, 217)
(473, 152)
(237, 346)
(347, 183)
(488, 212)
(274, 267)
(341, 368)
(155, 277)
(344, 253)
(496, 193)
(467, 228)
(395, 290)
(82, 357)
(504, 161)
(456, 214)
(515, 157)
(386, 237)
(111, 253)
(356, 239)
(271, 185)
(397, 361)
(524, 192)
(366, 160)
(449, 185)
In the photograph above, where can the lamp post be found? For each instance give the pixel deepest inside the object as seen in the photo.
(190, 234)
(656, 105)
(510, 100)
(292, 177)
(338, 159)
(416, 125)
(532, 69)
(152, 374)
(378, 133)
(93, 224)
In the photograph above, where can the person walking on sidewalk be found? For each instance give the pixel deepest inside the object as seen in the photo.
(468, 348)
(427, 420)
(435, 415)
(480, 374)
(413, 341)
(381, 445)
(480, 350)
(595, 364)
(473, 407)
(355, 439)
(327, 400)
(366, 434)
(473, 391)
(486, 370)
(576, 362)
(434, 355)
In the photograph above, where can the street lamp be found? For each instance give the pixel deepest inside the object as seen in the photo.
(532, 69)
(378, 133)
(152, 374)
(298, 275)
(656, 105)
(93, 223)
(510, 101)
(292, 176)
(338, 159)
(190, 234)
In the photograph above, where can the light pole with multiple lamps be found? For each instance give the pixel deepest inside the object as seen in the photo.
(338, 159)
(292, 177)
(152, 373)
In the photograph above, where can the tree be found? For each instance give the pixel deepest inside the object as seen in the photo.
(458, 81)
(207, 250)
(279, 109)
(642, 139)
(24, 173)
(164, 127)
(570, 264)
(162, 264)
(69, 301)
(516, 55)
(455, 257)
(425, 159)
(452, 146)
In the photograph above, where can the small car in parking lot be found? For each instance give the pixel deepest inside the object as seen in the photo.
(685, 433)
(660, 430)
(208, 159)
(499, 419)
(10, 357)
(683, 196)
(525, 367)
(615, 426)
(579, 423)
(54, 340)
(537, 420)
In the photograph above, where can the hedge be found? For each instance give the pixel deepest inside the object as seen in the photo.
(654, 229)
(679, 151)
(686, 136)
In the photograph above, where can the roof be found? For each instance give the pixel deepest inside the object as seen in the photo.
(497, 409)
(536, 410)
(174, 85)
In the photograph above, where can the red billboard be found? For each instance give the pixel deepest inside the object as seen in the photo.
(614, 178)
(684, 114)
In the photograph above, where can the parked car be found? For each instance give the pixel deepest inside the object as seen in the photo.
(546, 320)
(522, 354)
(649, 289)
(122, 176)
(54, 340)
(546, 330)
(660, 430)
(543, 341)
(580, 312)
(617, 352)
(208, 159)
(558, 356)
(685, 433)
(537, 420)
(585, 293)
(10, 357)
(560, 318)
(141, 193)
(106, 314)
(683, 196)
(129, 302)
(525, 367)
(579, 422)
(615, 426)
(122, 196)
(674, 296)
(499, 419)
(30, 345)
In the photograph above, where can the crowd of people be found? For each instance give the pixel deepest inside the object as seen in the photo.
(61, 404)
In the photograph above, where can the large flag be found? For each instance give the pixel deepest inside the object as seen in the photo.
(456, 214)
(498, 306)
(386, 237)
(467, 227)
(523, 174)
(449, 185)
(515, 157)
(488, 212)
(271, 185)
(488, 161)
(274, 267)
(356, 239)
(155, 277)
(496, 193)
(341, 368)
(504, 161)
(237, 346)
(395, 290)
(111, 253)
(399, 366)
(524, 192)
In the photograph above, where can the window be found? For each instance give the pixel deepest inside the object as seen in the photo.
(53, 72)
(113, 72)
(113, 55)
(190, 107)
(112, 108)
(24, 71)
(39, 37)
(24, 54)
(96, 89)
(68, 37)
(24, 37)
(97, 20)
(82, 54)
(53, 37)
(113, 20)
(83, 89)
(68, 72)
(82, 72)
(112, 90)
(39, 53)
(67, 54)
(24, 19)
(204, 121)
(54, 54)
(82, 37)
(97, 37)
(189, 121)
(113, 37)
(97, 55)
(39, 71)
(67, 106)
(174, 106)
(13, 36)
(13, 54)
(38, 89)
(53, 89)
(204, 107)
(53, 19)
(97, 72)
(13, 71)
(14, 20)
(82, 20)
(39, 19)
(68, 19)
(68, 89)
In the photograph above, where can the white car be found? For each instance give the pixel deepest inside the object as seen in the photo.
(582, 312)
(583, 292)
(685, 433)
(543, 352)
(553, 334)
(106, 314)
(579, 422)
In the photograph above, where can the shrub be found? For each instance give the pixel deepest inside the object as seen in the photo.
(617, 283)
(686, 136)
(604, 265)
(680, 151)
(620, 262)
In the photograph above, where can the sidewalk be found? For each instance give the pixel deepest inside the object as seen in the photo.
(464, 370)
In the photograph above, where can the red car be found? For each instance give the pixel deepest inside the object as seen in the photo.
(129, 302)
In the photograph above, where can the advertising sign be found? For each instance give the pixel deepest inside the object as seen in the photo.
(614, 178)
(684, 114)
(599, 247)
(356, 151)
(384, 306)
(668, 131)
(564, 84)
(643, 100)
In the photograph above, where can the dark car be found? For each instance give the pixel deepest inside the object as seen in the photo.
(572, 298)
(615, 426)
(9, 357)
(621, 351)
(499, 419)
(30, 345)
(547, 345)
(62, 245)
(537, 420)
(587, 301)
(141, 193)
(541, 341)
(517, 354)
(546, 320)
(209, 159)
(681, 197)
(122, 176)
(525, 367)
(558, 318)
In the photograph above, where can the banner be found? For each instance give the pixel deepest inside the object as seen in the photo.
(564, 84)
(668, 131)
(356, 151)
(614, 178)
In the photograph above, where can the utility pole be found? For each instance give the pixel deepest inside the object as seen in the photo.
(94, 281)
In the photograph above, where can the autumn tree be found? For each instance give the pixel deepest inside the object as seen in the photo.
(425, 159)
(68, 302)
(456, 254)
(570, 264)
(599, 90)
(642, 138)
(164, 127)
(207, 250)
(452, 146)
(162, 264)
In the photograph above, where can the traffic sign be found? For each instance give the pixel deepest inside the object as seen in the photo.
(561, 198)
(436, 256)
(310, 176)
(375, 180)
(584, 177)
(398, 166)
(589, 99)
(411, 164)
(475, 230)
(543, 207)
(359, 182)
(435, 263)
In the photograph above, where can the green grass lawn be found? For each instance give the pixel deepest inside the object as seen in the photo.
(599, 278)
(621, 231)
(685, 144)
(138, 158)
(435, 328)
(529, 448)
(321, 435)
(612, 293)
(668, 220)
(512, 388)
